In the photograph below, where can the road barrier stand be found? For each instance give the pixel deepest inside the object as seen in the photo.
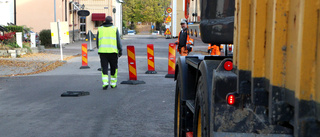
(171, 60)
(90, 37)
(151, 68)
(133, 80)
(84, 57)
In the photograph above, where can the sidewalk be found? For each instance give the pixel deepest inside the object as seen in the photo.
(40, 62)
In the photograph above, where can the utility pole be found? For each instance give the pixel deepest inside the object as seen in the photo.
(15, 12)
(55, 19)
(65, 6)
(73, 24)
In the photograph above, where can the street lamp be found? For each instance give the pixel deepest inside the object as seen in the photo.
(75, 7)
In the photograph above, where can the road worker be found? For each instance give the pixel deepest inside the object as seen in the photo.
(110, 48)
(184, 42)
(214, 49)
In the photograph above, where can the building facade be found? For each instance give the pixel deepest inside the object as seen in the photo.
(7, 10)
(178, 7)
(37, 14)
(99, 10)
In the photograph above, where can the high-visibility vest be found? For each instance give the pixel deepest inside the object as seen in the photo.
(107, 39)
(214, 49)
(189, 40)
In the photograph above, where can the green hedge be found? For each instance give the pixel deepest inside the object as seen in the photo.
(45, 37)
(15, 28)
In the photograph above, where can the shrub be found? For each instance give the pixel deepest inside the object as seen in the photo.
(14, 28)
(7, 38)
(13, 45)
(45, 38)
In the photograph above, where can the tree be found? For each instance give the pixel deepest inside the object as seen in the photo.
(145, 10)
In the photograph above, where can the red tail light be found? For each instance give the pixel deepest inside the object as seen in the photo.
(231, 99)
(228, 65)
(230, 47)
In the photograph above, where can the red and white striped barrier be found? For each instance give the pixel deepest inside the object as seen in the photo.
(132, 67)
(171, 60)
(151, 64)
(84, 57)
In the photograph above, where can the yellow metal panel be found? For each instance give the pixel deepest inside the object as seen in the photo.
(291, 48)
(317, 85)
(257, 37)
(306, 56)
(235, 36)
(243, 31)
(279, 42)
(268, 37)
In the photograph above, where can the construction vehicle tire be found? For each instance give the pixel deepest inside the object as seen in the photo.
(201, 115)
(180, 107)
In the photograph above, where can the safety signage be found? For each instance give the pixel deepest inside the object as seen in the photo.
(167, 32)
(169, 10)
(168, 19)
(63, 29)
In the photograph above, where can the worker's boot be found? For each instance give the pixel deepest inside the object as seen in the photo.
(113, 81)
(105, 81)
(105, 87)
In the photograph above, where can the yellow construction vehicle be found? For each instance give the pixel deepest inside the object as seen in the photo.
(268, 85)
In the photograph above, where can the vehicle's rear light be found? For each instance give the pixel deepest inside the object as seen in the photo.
(189, 134)
(231, 99)
(228, 65)
(230, 47)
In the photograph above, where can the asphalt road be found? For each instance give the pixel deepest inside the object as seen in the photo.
(31, 105)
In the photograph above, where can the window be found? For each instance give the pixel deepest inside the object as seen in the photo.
(97, 23)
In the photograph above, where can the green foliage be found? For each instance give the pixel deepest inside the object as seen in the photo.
(26, 45)
(13, 45)
(45, 37)
(132, 26)
(26, 28)
(145, 10)
(124, 24)
(13, 28)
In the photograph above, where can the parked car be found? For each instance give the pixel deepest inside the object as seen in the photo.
(157, 32)
(132, 32)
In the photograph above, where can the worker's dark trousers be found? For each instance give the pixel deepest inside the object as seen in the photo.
(112, 59)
